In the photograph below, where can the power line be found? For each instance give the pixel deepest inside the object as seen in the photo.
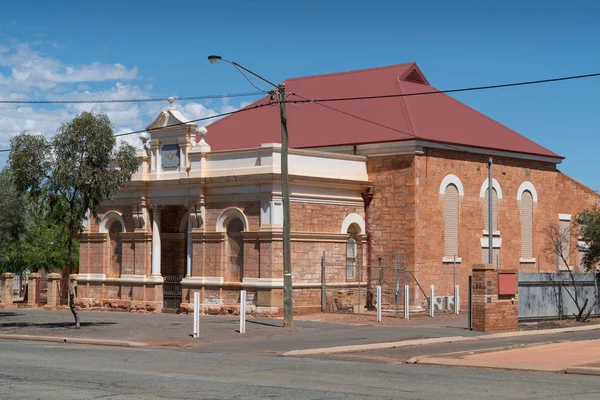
(147, 100)
(468, 89)
(317, 101)
(190, 121)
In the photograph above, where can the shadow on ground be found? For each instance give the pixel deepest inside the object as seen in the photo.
(50, 325)
(8, 314)
(275, 324)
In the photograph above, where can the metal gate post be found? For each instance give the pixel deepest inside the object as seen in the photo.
(196, 330)
(397, 283)
(378, 303)
(323, 285)
(406, 301)
(242, 311)
(470, 303)
(431, 301)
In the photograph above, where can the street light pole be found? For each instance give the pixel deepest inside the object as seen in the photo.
(288, 302)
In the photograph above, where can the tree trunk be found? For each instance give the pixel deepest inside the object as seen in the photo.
(68, 274)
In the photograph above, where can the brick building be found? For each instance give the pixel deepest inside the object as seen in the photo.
(368, 179)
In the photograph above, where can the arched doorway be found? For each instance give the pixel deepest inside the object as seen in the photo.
(115, 245)
(235, 251)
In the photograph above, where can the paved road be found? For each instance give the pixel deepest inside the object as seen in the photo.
(221, 332)
(399, 355)
(47, 371)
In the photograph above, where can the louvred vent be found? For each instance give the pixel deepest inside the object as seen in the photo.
(415, 77)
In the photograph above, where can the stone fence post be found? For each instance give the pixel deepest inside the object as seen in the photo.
(53, 291)
(32, 289)
(7, 288)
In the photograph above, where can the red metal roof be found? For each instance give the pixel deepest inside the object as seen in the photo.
(435, 117)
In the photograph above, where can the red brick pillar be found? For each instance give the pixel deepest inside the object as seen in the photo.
(495, 299)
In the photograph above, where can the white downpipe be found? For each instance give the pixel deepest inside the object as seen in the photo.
(188, 270)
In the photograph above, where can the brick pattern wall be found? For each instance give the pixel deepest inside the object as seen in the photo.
(556, 194)
(251, 210)
(311, 217)
(451, 221)
(492, 312)
(486, 204)
(526, 208)
(391, 216)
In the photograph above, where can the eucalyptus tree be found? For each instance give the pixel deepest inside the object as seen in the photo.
(13, 221)
(81, 167)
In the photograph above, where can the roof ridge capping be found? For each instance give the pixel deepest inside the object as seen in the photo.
(410, 66)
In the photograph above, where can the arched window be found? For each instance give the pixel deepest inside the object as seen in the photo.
(485, 250)
(451, 221)
(115, 249)
(235, 250)
(526, 207)
(352, 252)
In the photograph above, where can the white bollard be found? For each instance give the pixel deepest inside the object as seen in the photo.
(431, 301)
(243, 311)
(378, 303)
(456, 299)
(196, 332)
(406, 303)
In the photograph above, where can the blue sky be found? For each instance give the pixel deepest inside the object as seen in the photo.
(125, 49)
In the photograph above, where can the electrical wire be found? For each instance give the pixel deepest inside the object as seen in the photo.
(190, 121)
(468, 89)
(317, 102)
(180, 98)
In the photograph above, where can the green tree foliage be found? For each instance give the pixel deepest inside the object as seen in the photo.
(588, 223)
(13, 222)
(79, 168)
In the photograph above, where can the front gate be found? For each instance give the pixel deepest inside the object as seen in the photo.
(172, 292)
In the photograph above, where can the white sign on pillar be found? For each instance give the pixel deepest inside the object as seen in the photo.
(378, 303)
(196, 333)
(243, 311)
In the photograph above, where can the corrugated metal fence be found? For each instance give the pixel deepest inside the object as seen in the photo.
(549, 295)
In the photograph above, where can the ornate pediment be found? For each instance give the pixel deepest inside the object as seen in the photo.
(170, 120)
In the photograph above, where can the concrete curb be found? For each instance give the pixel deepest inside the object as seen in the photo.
(55, 339)
(420, 342)
(583, 370)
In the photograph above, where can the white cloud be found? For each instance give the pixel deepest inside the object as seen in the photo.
(30, 69)
(30, 75)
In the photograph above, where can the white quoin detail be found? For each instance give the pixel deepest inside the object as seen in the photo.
(495, 185)
(353, 219)
(527, 186)
(454, 180)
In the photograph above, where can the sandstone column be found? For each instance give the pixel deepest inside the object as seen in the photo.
(32, 289)
(53, 291)
(7, 288)
(156, 240)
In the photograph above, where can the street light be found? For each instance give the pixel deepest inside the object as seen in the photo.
(288, 307)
